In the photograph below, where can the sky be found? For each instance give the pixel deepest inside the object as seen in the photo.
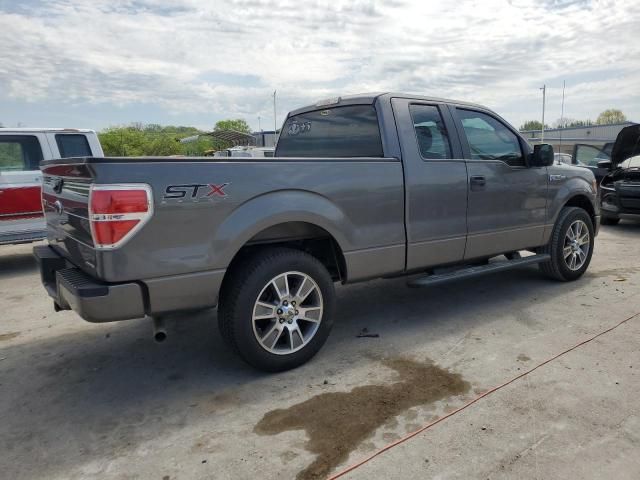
(99, 63)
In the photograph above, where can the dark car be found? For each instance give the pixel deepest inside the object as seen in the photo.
(589, 156)
(620, 188)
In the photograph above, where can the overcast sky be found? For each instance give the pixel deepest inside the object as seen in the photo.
(95, 63)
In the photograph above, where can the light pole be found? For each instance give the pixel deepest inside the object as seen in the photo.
(562, 125)
(275, 127)
(544, 99)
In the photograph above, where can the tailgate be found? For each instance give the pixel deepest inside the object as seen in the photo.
(65, 199)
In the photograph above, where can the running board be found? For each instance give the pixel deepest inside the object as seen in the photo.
(471, 272)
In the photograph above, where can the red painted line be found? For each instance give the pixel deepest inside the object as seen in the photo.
(479, 397)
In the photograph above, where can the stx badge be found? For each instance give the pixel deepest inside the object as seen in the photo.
(196, 191)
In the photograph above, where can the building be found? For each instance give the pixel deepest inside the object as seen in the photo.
(265, 138)
(563, 139)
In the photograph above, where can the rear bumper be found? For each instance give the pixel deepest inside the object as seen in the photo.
(98, 301)
(93, 300)
(13, 238)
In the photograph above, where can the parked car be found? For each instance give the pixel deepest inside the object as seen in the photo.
(21, 151)
(361, 187)
(561, 158)
(588, 156)
(245, 152)
(620, 188)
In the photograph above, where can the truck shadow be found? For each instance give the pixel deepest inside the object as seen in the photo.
(624, 228)
(107, 389)
(16, 261)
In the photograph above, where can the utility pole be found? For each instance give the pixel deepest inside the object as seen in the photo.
(544, 99)
(274, 116)
(564, 82)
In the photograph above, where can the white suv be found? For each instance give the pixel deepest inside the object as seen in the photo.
(21, 151)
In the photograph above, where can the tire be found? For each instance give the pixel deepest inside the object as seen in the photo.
(609, 220)
(560, 267)
(280, 332)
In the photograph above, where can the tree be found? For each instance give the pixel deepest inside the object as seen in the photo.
(138, 139)
(611, 115)
(571, 122)
(238, 124)
(532, 125)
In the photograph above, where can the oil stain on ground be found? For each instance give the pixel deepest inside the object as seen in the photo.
(8, 336)
(337, 422)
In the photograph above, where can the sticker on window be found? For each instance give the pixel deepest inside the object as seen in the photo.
(296, 128)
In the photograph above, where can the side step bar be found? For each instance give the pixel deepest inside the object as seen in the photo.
(476, 271)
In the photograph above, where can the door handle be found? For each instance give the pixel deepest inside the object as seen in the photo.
(478, 180)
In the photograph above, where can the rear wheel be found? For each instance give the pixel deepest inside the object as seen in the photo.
(570, 246)
(276, 308)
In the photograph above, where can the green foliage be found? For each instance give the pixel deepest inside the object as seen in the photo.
(238, 124)
(138, 139)
(11, 156)
(612, 115)
(532, 125)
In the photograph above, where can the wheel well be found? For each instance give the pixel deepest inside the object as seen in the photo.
(583, 202)
(301, 236)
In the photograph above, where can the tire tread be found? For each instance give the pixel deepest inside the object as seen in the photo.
(241, 272)
(552, 267)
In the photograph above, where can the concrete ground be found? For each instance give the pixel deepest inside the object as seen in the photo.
(85, 401)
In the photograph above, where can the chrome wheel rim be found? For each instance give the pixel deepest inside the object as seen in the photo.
(576, 245)
(287, 313)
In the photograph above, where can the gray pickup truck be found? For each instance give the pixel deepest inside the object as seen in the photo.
(360, 187)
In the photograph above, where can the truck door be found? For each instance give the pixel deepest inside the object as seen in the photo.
(20, 186)
(507, 199)
(588, 156)
(435, 178)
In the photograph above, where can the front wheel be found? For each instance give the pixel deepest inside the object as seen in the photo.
(276, 308)
(570, 246)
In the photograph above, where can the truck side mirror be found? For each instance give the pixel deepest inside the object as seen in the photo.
(605, 164)
(542, 156)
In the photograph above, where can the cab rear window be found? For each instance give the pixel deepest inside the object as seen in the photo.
(350, 131)
(73, 145)
(19, 152)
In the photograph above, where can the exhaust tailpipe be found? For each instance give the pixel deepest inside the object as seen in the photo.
(159, 330)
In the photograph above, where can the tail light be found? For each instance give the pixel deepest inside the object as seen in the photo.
(117, 212)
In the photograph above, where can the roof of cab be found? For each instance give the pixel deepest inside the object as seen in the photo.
(45, 130)
(370, 98)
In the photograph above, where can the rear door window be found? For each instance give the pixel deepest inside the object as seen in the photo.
(350, 131)
(73, 145)
(19, 152)
(431, 134)
(490, 139)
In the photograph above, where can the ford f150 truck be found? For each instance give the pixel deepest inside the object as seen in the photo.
(360, 187)
(21, 151)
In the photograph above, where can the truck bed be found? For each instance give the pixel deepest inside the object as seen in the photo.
(235, 200)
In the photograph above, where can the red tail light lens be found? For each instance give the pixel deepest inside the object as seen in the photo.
(119, 201)
(117, 212)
